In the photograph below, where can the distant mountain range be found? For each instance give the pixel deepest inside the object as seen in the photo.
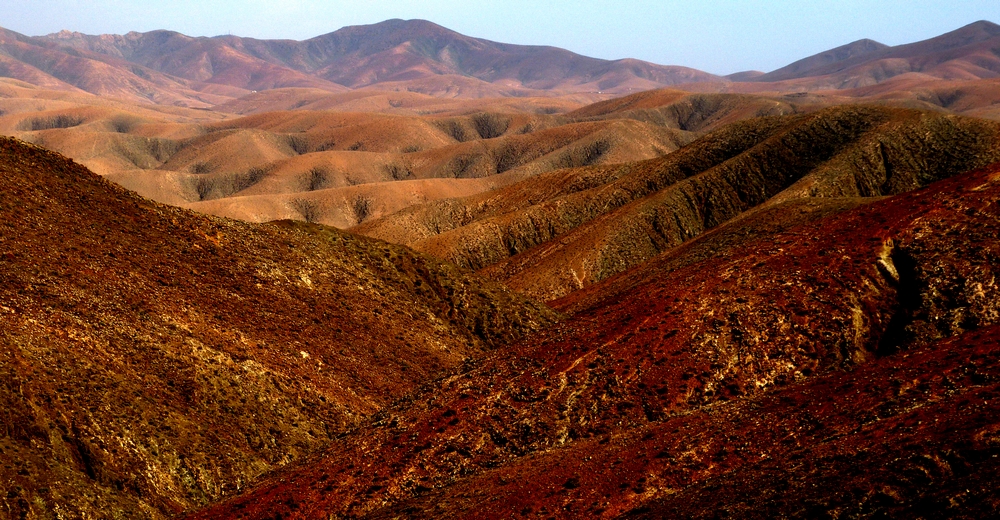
(972, 52)
(166, 67)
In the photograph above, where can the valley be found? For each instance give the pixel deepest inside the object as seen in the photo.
(395, 271)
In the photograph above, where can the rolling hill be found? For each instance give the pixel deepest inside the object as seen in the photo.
(608, 219)
(166, 67)
(768, 294)
(967, 53)
(854, 348)
(154, 359)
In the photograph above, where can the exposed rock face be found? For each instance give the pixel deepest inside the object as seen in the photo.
(154, 360)
(609, 412)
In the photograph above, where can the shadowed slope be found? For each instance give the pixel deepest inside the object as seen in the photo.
(560, 244)
(695, 112)
(154, 359)
(664, 384)
(333, 159)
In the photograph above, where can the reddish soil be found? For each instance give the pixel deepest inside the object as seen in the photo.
(660, 393)
(154, 359)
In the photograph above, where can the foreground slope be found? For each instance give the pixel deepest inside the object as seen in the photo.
(154, 360)
(725, 370)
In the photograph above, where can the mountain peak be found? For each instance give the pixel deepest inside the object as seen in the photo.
(823, 60)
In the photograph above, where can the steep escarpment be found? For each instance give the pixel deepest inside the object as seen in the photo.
(154, 360)
(767, 326)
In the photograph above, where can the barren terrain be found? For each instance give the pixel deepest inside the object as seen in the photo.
(396, 271)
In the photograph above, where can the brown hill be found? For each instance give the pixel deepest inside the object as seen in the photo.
(258, 167)
(610, 219)
(721, 375)
(698, 112)
(828, 60)
(50, 66)
(155, 359)
(966, 53)
(414, 52)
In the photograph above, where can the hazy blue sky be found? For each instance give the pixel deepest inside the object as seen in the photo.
(719, 36)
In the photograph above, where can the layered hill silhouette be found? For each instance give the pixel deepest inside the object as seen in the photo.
(968, 53)
(155, 359)
(766, 294)
(342, 168)
(170, 68)
(166, 67)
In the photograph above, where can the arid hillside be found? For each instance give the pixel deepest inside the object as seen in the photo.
(966, 53)
(170, 68)
(843, 360)
(328, 166)
(560, 231)
(372, 121)
(155, 360)
(398, 272)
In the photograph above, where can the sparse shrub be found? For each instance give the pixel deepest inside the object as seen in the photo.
(316, 178)
(527, 129)
(362, 208)
(357, 146)
(585, 155)
(201, 168)
(461, 165)
(123, 124)
(161, 149)
(329, 145)
(241, 181)
(48, 123)
(298, 144)
(398, 172)
(454, 129)
(505, 157)
(490, 125)
(204, 187)
(310, 210)
(146, 152)
(411, 149)
(395, 103)
(228, 184)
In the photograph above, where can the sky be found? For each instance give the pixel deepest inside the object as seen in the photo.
(717, 36)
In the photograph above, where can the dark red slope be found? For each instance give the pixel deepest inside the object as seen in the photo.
(153, 360)
(769, 311)
(915, 435)
(911, 435)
